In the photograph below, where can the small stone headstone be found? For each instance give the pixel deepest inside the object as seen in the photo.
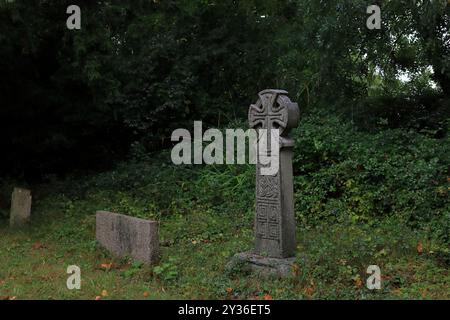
(20, 207)
(128, 236)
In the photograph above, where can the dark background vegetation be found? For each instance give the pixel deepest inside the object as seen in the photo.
(86, 118)
(78, 101)
(138, 69)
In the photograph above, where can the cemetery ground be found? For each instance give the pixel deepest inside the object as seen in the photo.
(195, 251)
(206, 216)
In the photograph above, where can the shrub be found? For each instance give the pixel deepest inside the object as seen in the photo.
(342, 172)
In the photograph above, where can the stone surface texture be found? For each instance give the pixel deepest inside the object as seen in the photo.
(20, 207)
(275, 220)
(128, 236)
(275, 244)
(263, 266)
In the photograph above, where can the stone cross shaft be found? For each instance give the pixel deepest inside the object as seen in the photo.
(275, 221)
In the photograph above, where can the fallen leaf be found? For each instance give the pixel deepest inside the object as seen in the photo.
(424, 293)
(146, 294)
(385, 277)
(358, 283)
(397, 292)
(267, 297)
(38, 246)
(104, 293)
(419, 247)
(108, 266)
(309, 291)
(98, 298)
(12, 298)
(296, 269)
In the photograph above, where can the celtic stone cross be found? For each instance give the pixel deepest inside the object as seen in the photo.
(275, 221)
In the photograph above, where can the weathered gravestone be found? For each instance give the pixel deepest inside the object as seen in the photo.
(128, 236)
(20, 207)
(275, 242)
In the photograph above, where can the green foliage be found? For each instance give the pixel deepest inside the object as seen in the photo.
(137, 70)
(133, 270)
(166, 271)
(337, 256)
(371, 156)
(362, 198)
(345, 173)
(341, 173)
(134, 72)
(327, 53)
(332, 259)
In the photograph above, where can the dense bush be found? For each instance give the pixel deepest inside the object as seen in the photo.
(341, 175)
(342, 172)
(138, 69)
(134, 72)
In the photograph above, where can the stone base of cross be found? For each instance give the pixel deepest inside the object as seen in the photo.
(275, 243)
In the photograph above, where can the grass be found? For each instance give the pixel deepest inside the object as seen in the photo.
(361, 199)
(332, 260)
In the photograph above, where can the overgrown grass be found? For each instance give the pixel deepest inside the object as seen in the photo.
(361, 199)
(332, 261)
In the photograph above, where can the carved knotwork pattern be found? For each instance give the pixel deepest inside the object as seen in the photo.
(268, 187)
(268, 220)
(273, 110)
